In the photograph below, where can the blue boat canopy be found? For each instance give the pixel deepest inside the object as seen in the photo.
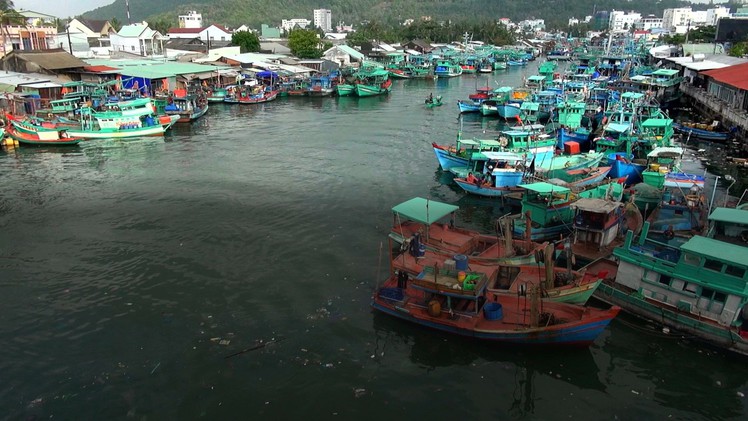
(424, 210)
(267, 74)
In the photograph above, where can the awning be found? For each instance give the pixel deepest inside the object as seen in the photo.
(41, 85)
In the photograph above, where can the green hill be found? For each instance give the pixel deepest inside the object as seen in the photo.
(234, 13)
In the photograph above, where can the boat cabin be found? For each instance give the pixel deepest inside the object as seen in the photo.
(535, 82)
(704, 278)
(666, 77)
(596, 225)
(547, 203)
(729, 224)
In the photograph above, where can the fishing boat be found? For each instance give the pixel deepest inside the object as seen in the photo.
(576, 179)
(556, 284)
(502, 177)
(217, 94)
(701, 131)
(256, 96)
(546, 210)
(434, 102)
(320, 86)
(421, 224)
(445, 302)
(445, 68)
(570, 114)
(468, 106)
(697, 288)
(188, 108)
(374, 82)
(43, 138)
(596, 227)
(125, 119)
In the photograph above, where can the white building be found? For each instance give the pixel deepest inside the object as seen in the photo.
(532, 25)
(698, 18)
(713, 15)
(573, 21)
(675, 17)
(648, 23)
(620, 21)
(191, 20)
(289, 24)
(211, 33)
(323, 19)
(138, 39)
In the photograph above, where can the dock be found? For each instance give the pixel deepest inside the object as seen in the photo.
(709, 105)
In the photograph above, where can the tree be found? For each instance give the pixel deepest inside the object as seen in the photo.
(116, 24)
(161, 25)
(247, 41)
(304, 43)
(739, 49)
(8, 16)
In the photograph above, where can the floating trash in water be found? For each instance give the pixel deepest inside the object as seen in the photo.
(359, 392)
(741, 394)
(224, 342)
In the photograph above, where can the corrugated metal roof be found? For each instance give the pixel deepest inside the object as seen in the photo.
(350, 51)
(133, 30)
(151, 69)
(732, 75)
(49, 59)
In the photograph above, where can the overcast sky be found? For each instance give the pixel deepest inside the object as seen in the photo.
(60, 8)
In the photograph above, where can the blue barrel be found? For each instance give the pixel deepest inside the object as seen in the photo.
(461, 262)
(493, 311)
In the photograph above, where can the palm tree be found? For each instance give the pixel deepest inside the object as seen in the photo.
(8, 16)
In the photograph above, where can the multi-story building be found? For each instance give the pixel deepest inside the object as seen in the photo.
(675, 17)
(36, 32)
(191, 20)
(288, 24)
(715, 14)
(648, 23)
(323, 19)
(620, 21)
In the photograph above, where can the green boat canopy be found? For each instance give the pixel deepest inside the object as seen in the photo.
(424, 210)
(665, 72)
(717, 250)
(545, 188)
(530, 106)
(730, 215)
(657, 122)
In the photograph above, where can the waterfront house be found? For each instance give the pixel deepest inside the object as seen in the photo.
(36, 32)
(210, 34)
(419, 45)
(344, 55)
(97, 32)
(55, 62)
(729, 85)
(137, 39)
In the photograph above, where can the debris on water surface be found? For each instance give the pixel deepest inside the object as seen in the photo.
(741, 394)
(359, 392)
(634, 392)
(224, 342)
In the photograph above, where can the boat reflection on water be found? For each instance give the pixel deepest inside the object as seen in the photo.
(432, 350)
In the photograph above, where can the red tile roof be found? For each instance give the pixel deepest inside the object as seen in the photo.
(185, 30)
(733, 75)
(97, 69)
(221, 27)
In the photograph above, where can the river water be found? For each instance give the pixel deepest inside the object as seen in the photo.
(225, 272)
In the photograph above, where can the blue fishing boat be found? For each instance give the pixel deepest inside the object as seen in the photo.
(468, 106)
(502, 175)
(701, 131)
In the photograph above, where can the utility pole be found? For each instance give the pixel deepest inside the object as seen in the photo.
(127, 3)
(70, 44)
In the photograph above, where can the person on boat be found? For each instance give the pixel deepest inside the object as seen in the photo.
(402, 279)
(471, 178)
(430, 99)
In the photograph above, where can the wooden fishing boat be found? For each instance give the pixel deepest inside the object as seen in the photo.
(465, 307)
(43, 138)
(697, 288)
(217, 94)
(556, 284)
(576, 179)
(445, 68)
(503, 175)
(435, 102)
(546, 210)
(418, 224)
(125, 119)
(188, 107)
(372, 83)
(468, 106)
(701, 131)
(253, 98)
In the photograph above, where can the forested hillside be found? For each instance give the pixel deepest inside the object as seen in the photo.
(255, 12)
